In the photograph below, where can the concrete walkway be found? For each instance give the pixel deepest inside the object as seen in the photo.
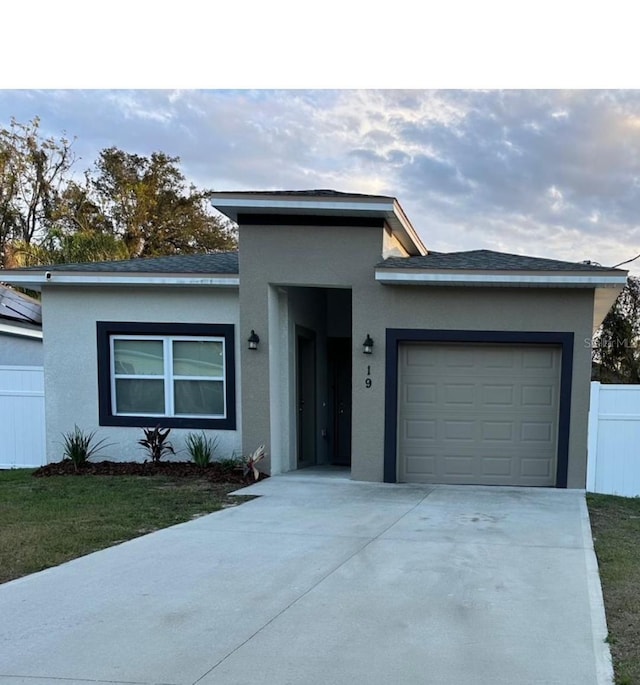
(327, 581)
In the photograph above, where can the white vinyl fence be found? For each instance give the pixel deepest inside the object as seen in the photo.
(614, 440)
(22, 434)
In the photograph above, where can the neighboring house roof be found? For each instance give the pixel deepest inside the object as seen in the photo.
(20, 329)
(18, 306)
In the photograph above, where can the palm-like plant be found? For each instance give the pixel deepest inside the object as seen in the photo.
(79, 446)
(155, 442)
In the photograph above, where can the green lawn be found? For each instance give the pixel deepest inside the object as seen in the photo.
(615, 523)
(45, 521)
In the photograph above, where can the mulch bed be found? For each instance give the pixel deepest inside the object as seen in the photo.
(214, 472)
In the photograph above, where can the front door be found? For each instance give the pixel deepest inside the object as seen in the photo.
(339, 353)
(306, 396)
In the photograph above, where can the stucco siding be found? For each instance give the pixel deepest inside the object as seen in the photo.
(20, 351)
(70, 357)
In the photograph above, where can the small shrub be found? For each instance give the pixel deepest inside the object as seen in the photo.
(249, 463)
(79, 446)
(201, 448)
(156, 443)
(229, 464)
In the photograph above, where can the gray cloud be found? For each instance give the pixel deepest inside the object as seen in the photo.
(552, 173)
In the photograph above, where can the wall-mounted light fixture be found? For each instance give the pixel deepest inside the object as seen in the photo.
(253, 340)
(367, 345)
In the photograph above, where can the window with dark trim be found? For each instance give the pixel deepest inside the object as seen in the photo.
(175, 375)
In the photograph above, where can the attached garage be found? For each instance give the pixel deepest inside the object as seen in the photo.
(478, 413)
(478, 407)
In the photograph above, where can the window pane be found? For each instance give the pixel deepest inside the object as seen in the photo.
(199, 397)
(142, 357)
(197, 358)
(134, 396)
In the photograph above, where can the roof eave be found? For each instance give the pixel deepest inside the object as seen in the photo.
(471, 278)
(381, 207)
(36, 280)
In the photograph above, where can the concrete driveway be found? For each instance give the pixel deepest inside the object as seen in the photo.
(323, 580)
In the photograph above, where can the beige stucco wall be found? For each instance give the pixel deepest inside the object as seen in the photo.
(345, 257)
(291, 256)
(70, 357)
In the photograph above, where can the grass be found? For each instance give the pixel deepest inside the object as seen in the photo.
(615, 523)
(46, 521)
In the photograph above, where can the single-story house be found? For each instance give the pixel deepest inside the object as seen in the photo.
(333, 336)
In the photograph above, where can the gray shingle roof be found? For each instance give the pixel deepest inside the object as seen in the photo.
(214, 263)
(485, 260)
(227, 263)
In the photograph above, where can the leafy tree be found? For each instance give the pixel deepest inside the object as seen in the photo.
(616, 351)
(126, 205)
(66, 248)
(33, 171)
(149, 205)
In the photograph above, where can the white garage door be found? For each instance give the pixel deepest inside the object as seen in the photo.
(478, 414)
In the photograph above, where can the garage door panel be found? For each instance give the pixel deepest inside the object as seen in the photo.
(536, 467)
(421, 465)
(497, 466)
(537, 432)
(419, 429)
(458, 393)
(460, 357)
(499, 426)
(497, 395)
(421, 393)
(496, 430)
(538, 395)
(539, 358)
(499, 359)
(459, 430)
(416, 358)
(459, 465)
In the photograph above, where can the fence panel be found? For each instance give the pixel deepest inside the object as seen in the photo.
(22, 430)
(614, 440)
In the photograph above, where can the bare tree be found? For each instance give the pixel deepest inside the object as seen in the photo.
(33, 172)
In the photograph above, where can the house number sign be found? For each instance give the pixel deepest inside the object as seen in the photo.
(367, 381)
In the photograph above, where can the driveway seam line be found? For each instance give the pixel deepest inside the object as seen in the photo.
(313, 587)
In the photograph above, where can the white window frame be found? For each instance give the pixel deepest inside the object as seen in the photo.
(168, 376)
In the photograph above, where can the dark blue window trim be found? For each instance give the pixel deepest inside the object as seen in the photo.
(395, 336)
(105, 329)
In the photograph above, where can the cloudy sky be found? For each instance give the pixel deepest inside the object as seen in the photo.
(551, 173)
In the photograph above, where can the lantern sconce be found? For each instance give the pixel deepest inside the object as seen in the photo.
(367, 345)
(253, 340)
